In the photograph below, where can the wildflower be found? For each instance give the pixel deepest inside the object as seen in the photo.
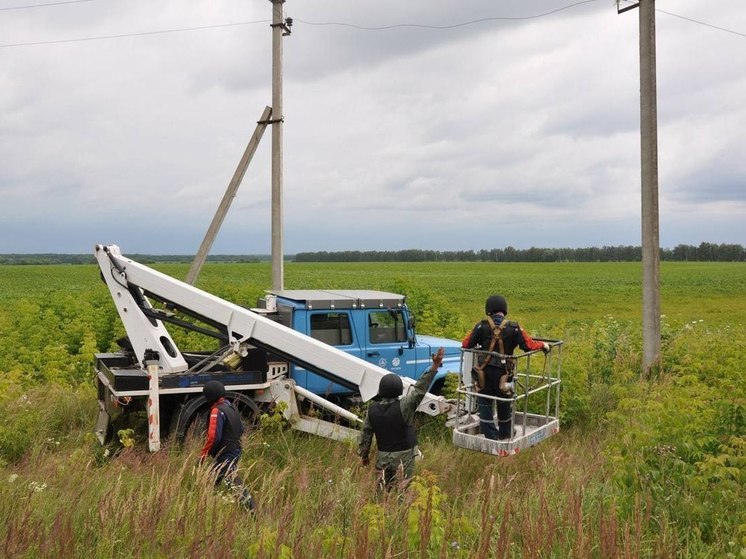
(37, 487)
(227, 498)
(106, 453)
(12, 478)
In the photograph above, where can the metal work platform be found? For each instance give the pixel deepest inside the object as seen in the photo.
(535, 410)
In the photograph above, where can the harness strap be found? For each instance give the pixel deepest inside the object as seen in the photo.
(497, 339)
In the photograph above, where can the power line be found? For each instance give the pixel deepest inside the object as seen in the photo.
(44, 5)
(123, 35)
(104, 37)
(328, 23)
(453, 26)
(703, 23)
(694, 21)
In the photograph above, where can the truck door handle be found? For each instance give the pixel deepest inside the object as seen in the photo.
(374, 354)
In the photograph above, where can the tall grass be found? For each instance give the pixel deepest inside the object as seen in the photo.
(319, 503)
(562, 499)
(642, 468)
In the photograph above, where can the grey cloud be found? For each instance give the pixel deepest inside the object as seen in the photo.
(134, 140)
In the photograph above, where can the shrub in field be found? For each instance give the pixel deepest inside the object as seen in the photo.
(682, 440)
(34, 418)
(601, 365)
(434, 314)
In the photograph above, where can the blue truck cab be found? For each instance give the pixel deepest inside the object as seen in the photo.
(373, 325)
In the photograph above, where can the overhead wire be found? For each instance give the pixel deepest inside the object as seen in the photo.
(453, 26)
(44, 5)
(703, 23)
(327, 23)
(691, 20)
(140, 34)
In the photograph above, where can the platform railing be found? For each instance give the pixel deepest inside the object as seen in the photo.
(534, 425)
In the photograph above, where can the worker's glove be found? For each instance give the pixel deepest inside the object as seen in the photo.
(547, 348)
(365, 460)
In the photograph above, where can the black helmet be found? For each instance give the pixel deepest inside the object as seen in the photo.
(390, 386)
(496, 303)
(213, 391)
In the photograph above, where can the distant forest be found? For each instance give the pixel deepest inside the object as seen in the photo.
(705, 252)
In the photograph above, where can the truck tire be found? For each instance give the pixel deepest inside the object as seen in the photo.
(192, 414)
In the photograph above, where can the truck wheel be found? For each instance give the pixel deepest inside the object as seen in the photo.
(191, 416)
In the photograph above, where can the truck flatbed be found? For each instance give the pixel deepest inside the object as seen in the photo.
(124, 379)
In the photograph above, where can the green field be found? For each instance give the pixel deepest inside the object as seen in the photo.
(642, 468)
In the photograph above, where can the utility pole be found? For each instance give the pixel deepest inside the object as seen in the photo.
(651, 321)
(279, 28)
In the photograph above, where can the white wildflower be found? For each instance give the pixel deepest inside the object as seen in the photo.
(12, 478)
(37, 487)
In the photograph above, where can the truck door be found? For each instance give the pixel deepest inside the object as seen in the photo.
(386, 342)
(334, 328)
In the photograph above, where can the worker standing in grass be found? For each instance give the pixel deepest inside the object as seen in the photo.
(390, 418)
(494, 374)
(224, 429)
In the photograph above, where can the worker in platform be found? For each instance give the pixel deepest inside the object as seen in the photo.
(493, 374)
(389, 419)
(223, 444)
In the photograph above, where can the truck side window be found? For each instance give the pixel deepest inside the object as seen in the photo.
(331, 328)
(386, 327)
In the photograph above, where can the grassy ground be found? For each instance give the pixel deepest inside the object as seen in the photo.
(652, 468)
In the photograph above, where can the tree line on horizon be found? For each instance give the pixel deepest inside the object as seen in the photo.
(705, 252)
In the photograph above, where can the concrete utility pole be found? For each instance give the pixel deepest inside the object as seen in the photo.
(228, 197)
(651, 307)
(651, 304)
(278, 29)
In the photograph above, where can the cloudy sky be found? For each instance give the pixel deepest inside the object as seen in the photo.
(122, 121)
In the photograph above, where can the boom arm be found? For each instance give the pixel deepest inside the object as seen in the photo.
(129, 282)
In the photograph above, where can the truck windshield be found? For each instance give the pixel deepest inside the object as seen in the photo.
(386, 327)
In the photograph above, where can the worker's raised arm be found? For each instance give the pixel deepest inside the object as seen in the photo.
(410, 402)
